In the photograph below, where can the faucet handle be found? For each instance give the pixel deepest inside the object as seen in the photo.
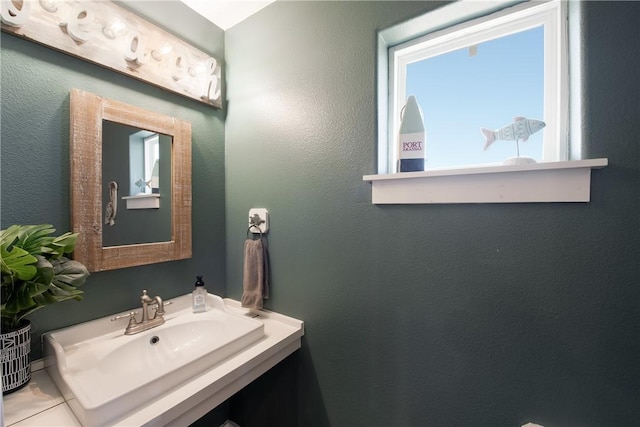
(132, 320)
(132, 316)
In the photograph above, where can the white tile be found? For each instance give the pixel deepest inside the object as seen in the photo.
(59, 415)
(37, 396)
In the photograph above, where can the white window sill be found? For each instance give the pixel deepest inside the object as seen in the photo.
(539, 182)
(143, 201)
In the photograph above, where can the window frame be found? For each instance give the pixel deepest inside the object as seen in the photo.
(491, 24)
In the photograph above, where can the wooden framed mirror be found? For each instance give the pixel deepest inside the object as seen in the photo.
(88, 212)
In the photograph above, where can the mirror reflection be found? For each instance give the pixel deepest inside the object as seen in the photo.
(136, 188)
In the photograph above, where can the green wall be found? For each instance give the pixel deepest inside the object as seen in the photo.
(452, 315)
(35, 83)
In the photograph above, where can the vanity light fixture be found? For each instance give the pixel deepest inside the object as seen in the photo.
(162, 52)
(106, 34)
(49, 5)
(114, 29)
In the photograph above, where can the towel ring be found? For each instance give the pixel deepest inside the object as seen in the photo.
(252, 226)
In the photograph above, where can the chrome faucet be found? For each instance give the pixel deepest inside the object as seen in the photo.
(146, 322)
(146, 300)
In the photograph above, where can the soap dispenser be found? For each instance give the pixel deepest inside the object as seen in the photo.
(199, 296)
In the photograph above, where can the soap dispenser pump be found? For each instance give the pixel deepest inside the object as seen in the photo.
(199, 296)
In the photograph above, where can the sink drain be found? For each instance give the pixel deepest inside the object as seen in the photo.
(154, 340)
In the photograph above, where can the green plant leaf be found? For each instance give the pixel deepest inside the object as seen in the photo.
(20, 300)
(69, 273)
(45, 299)
(36, 289)
(35, 272)
(45, 271)
(63, 244)
(8, 236)
(18, 263)
(35, 238)
(10, 308)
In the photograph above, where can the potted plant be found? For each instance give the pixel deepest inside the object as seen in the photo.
(35, 273)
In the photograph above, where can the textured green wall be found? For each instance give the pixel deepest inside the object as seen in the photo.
(488, 315)
(452, 315)
(35, 163)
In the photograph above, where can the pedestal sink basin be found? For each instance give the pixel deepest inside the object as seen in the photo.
(104, 374)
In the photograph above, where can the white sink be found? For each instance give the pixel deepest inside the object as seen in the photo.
(104, 374)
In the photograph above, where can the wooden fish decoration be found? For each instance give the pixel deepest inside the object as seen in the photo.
(520, 129)
(141, 183)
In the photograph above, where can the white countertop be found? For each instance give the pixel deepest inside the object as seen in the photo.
(41, 404)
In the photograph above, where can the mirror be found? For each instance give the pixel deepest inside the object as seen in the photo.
(136, 185)
(94, 206)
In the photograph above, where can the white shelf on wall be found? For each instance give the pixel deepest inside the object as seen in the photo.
(568, 181)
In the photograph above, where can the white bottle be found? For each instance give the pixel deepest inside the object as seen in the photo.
(199, 296)
(412, 138)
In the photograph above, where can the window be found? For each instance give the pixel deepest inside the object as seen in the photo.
(152, 163)
(482, 73)
(475, 62)
(144, 161)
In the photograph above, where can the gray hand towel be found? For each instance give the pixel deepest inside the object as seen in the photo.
(255, 275)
